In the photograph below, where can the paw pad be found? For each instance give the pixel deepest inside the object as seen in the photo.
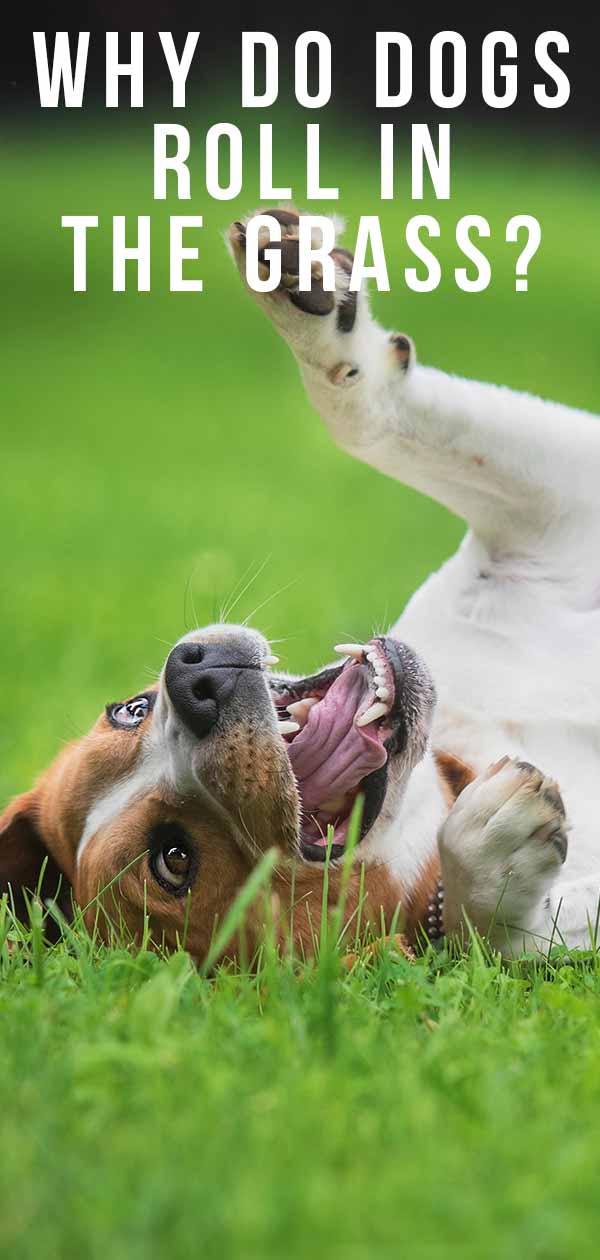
(402, 349)
(318, 300)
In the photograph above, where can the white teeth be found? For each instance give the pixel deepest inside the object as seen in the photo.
(288, 728)
(373, 658)
(271, 660)
(372, 714)
(351, 649)
(301, 708)
(382, 693)
(297, 708)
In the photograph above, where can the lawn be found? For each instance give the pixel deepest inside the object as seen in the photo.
(159, 455)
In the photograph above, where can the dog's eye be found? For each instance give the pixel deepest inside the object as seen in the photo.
(173, 857)
(172, 865)
(131, 713)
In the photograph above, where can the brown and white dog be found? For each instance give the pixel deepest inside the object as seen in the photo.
(174, 795)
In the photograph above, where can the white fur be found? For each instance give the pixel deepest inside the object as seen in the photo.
(110, 804)
(405, 826)
(510, 626)
(160, 766)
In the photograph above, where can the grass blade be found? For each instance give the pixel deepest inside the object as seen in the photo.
(233, 920)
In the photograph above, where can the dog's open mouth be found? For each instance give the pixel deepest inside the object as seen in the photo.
(341, 726)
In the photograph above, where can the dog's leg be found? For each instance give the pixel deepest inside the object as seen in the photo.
(521, 471)
(502, 846)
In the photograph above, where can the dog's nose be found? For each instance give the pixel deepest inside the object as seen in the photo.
(201, 679)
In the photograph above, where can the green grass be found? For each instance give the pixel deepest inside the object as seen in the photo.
(438, 1108)
(157, 452)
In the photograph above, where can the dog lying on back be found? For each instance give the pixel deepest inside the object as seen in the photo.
(183, 787)
(170, 800)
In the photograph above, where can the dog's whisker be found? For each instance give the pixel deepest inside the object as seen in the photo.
(196, 621)
(238, 594)
(269, 599)
(186, 592)
(149, 672)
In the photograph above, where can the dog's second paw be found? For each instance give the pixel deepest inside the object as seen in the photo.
(341, 303)
(501, 846)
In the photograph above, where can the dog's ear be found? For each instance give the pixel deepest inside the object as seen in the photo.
(23, 854)
(456, 774)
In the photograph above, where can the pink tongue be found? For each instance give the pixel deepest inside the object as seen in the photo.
(330, 756)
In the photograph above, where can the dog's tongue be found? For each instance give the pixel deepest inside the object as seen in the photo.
(330, 755)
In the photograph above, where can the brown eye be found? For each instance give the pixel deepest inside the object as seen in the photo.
(172, 866)
(129, 715)
(177, 861)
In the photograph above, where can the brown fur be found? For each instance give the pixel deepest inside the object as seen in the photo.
(454, 773)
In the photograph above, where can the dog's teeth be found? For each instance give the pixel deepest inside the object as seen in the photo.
(372, 714)
(357, 650)
(271, 660)
(288, 728)
(382, 693)
(301, 708)
(373, 658)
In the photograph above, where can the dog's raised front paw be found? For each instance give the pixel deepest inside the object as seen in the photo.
(330, 332)
(501, 846)
(316, 301)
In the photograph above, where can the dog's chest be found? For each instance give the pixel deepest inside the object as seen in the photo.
(516, 672)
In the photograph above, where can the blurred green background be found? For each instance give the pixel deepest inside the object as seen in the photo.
(158, 451)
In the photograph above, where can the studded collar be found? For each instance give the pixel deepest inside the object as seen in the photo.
(434, 922)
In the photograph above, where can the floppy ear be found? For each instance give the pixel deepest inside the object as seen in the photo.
(23, 853)
(456, 774)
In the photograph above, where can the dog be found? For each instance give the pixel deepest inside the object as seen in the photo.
(164, 808)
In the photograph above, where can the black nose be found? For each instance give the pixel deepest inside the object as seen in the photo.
(201, 679)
